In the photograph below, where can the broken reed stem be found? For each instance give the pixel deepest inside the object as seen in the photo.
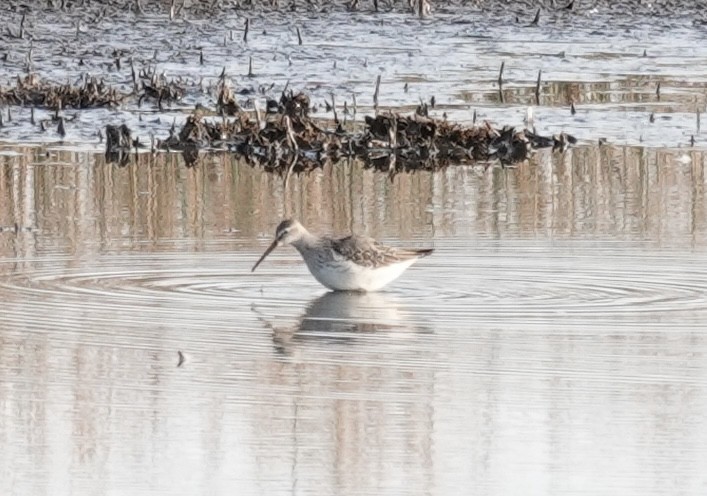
(536, 19)
(245, 32)
(501, 98)
(393, 144)
(393, 134)
(133, 74)
(179, 10)
(375, 93)
(250, 67)
(657, 90)
(537, 87)
(421, 8)
(354, 110)
(333, 107)
(299, 37)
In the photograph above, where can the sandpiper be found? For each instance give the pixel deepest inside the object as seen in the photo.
(354, 263)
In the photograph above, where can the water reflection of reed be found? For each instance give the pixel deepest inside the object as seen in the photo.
(75, 203)
(637, 89)
(363, 406)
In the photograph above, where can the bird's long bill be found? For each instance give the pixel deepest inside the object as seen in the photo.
(272, 246)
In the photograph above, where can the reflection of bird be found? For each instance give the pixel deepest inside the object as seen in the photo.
(354, 263)
(338, 317)
(350, 311)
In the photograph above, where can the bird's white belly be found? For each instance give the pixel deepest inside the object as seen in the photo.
(344, 275)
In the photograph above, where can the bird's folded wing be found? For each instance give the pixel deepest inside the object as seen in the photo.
(367, 252)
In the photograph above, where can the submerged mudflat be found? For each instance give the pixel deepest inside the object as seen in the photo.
(619, 72)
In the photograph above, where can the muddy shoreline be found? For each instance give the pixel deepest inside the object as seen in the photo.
(69, 69)
(629, 8)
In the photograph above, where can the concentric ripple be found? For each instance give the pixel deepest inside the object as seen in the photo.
(531, 284)
(506, 283)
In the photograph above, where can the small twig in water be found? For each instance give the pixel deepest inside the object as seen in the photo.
(536, 20)
(698, 121)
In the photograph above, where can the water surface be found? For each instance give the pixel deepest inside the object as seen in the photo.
(553, 345)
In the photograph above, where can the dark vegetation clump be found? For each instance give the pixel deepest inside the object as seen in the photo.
(286, 138)
(31, 91)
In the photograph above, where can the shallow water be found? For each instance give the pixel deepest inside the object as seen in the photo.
(554, 344)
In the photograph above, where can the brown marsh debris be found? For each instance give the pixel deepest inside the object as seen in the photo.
(286, 138)
(118, 144)
(159, 88)
(32, 91)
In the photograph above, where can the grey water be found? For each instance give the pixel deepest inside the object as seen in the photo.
(554, 344)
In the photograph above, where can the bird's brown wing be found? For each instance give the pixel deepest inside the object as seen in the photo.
(368, 252)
